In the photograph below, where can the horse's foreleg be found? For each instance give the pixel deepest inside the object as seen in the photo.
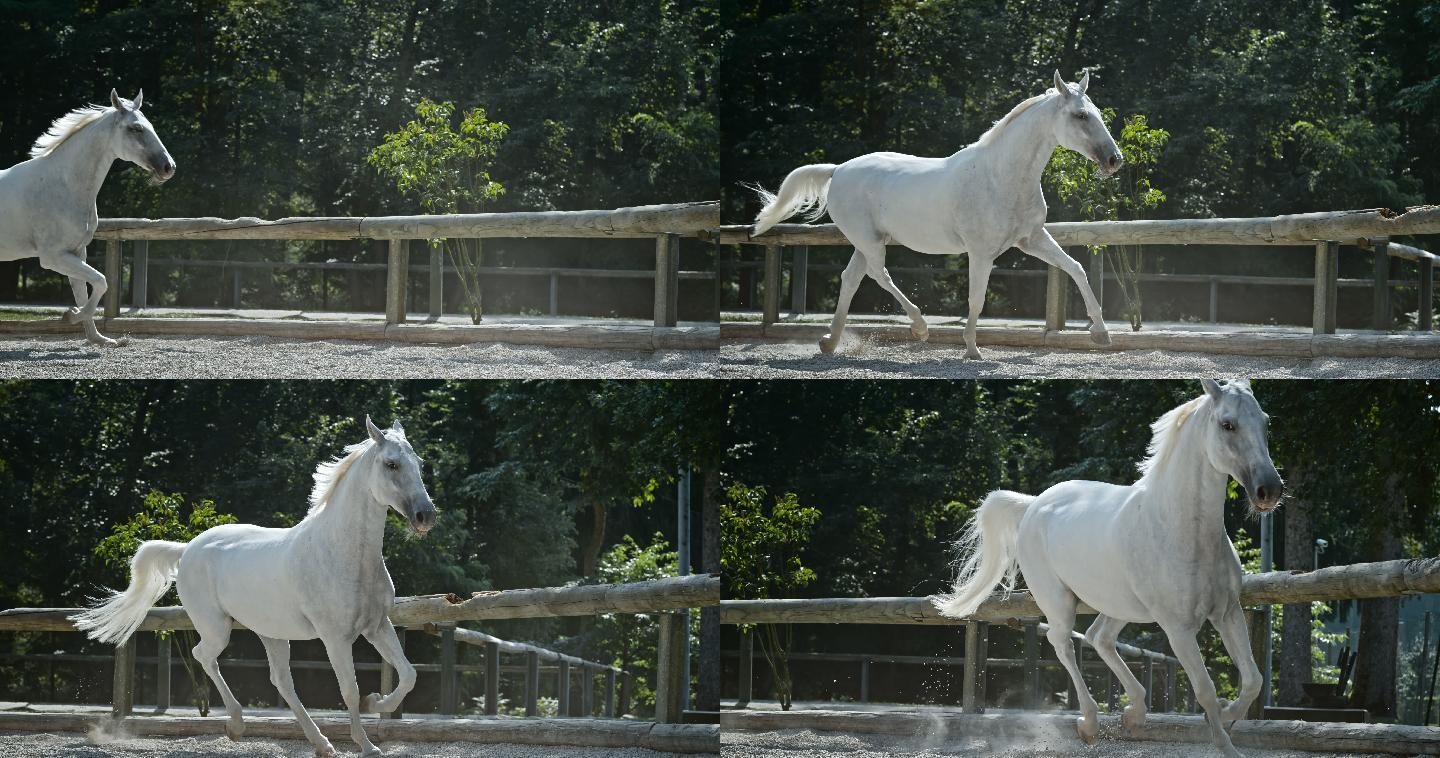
(343, 661)
(1044, 247)
(918, 328)
(73, 266)
(1236, 637)
(387, 643)
(1102, 635)
(849, 282)
(278, 651)
(980, 267)
(1182, 643)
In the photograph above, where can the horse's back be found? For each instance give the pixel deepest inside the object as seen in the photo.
(242, 571)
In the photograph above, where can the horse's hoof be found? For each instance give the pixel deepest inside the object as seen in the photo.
(368, 703)
(1088, 731)
(235, 730)
(71, 316)
(920, 331)
(325, 751)
(1100, 335)
(972, 353)
(828, 344)
(103, 341)
(371, 753)
(1133, 719)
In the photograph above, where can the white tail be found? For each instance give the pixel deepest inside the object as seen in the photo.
(116, 617)
(805, 189)
(988, 550)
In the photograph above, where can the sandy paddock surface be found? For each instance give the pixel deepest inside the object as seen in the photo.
(867, 358)
(45, 745)
(164, 357)
(804, 743)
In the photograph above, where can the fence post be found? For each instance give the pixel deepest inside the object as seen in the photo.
(1427, 294)
(1327, 264)
(437, 283)
(1258, 621)
(554, 295)
(448, 683)
(771, 306)
(1097, 277)
(1214, 300)
(865, 680)
(1382, 284)
(532, 683)
(492, 680)
(667, 279)
(799, 278)
(670, 669)
(562, 696)
(1149, 683)
(112, 278)
(140, 275)
(609, 693)
(747, 669)
(587, 691)
(627, 686)
(396, 270)
(162, 673)
(235, 286)
(124, 692)
(1057, 294)
(970, 689)
(1170, 685)
(1032, 665)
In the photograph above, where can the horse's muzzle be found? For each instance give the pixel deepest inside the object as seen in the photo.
(422, 520)
(1265, 494)
(163, 169)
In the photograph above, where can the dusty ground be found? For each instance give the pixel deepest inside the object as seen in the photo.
(860, 358)
(162, 357)
(809, 744)
(28, 744)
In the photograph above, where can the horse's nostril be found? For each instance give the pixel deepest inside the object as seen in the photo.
(1262, 494)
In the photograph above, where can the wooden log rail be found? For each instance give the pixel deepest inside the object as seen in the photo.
(1369, 229)
(1350, 582)
(666, 224)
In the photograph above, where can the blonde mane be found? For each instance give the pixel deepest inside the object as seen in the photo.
(67, 126)
(1165, 431)
(993, 133)
(328, 475)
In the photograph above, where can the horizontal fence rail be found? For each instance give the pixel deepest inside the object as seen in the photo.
(1350, 582)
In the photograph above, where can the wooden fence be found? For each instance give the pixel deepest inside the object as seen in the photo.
(439, 614)
(1325, 232)
(665, 224)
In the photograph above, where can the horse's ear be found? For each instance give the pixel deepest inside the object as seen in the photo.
(1060, 85)
(140, 98)
(1242, 383)
(1212, 388)
(375, 433)
(1084, 85)
(396, 427)
(115, 100)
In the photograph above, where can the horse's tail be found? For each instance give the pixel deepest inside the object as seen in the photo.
(805, 189)
(114, 618)
(988, 550)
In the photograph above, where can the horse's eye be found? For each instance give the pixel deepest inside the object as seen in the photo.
(1082, 115)
(391, 465)
(1227, 426)
(136, 128)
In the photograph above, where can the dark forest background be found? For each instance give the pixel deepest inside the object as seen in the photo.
(901, 467)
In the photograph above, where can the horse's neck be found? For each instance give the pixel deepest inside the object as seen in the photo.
(352, 522)
(84, 159)
(1184, 490)
(1019, 152)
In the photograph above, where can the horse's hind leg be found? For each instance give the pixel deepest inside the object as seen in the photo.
(75, 267)
(1236, 637)
(81, 291)
(342, 659)
(1102, 635)
(1058, 605)
(849, 282)
(214, 630)
(387, 643)
(1182, 643)
(278, 651)
(918, 328)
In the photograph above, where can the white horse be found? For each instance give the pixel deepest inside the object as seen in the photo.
(982, 200)
(47, 204)
(324, 577)
(1155, 551)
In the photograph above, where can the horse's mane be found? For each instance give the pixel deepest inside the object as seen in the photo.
(67, 126)
(993, 133)
(329, 474)
(1164, 433)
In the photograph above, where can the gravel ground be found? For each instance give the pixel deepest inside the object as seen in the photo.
(861, 358)
(159, 357)
(28, 744)
(808, 744)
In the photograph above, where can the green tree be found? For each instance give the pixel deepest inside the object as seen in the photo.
(630, 640)
(446, 167)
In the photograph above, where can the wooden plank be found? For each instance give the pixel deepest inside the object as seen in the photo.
(396, 276)
(1381, 320)
(112, 279)
(1038, 728)
(588, 733)
(1326, 291)
(771, 307)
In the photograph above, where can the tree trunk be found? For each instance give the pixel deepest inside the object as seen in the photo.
(1296, 666)
(591, 552)
(708, 693)
(1375, 667)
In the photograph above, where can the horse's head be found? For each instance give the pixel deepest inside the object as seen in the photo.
(135, 139)
(1236, 442)
(1079, 126)
(394, 477)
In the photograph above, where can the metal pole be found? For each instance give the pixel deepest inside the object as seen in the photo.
(140, 275)
(532, 683)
